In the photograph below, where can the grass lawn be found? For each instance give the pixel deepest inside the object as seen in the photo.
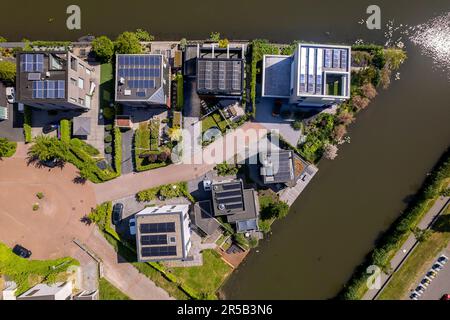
(420, 260)
(109, 292)
(208, 122)
(27, 273)
(206, 279)
(106, 84)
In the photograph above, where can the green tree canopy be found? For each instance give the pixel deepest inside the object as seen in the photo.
(103, 48)
(128, 42)
(143, 35)
(7, 71)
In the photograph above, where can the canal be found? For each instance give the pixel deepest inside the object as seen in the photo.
(394, 143)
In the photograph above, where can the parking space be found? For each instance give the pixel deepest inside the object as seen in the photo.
(439, 285)
(11, 128)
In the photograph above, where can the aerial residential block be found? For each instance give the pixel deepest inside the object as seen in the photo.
(316, 75)
(143, 80)
(54, 80)
(163, 233)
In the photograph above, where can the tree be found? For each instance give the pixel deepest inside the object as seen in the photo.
(339, 132)
(385, 77)
(422, 234)
(183, 43)
(175, 133)
(128, 43)
(103, 48)
(47, 148)
(345, 117)
(280, 209)
(214, 36)
(369, 91)
(7, 71)
(330, 151)
(394, 58)
(360, 102)
(143, 35)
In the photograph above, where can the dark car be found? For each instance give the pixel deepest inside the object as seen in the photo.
(21, 251)
(50, 163)
(49, 128)
(117, 213)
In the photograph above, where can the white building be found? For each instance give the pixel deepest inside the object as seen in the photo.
(163, 233)
(42, 291)
(316, 75)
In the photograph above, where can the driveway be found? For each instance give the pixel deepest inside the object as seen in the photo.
(12, 127)
(49, 231)
(127, 154)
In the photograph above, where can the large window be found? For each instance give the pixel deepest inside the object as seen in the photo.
(81, 83)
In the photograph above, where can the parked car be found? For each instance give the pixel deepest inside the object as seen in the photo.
(49, 128)
(437, 266)
(51, 163)
(442, 259)
(446, 297)
(431, 274)
(414, 296)
(21, 251)
(426, 282)
(117, 213)
(420, 289)
(10, 94)
(132, 225)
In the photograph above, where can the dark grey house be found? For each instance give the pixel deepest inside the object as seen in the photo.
(54, 80)
(142, 80)
(236, 204)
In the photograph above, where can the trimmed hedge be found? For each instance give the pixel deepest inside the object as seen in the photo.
(7, 148)
(167, 190)
(117, 151)
(180, 93)
(399, 231)
(27, 120)
(65, 127)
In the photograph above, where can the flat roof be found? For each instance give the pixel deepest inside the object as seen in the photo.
(277, 76)
(227, 197)
(277, 166)
(42, 75)
(160, 234)
(220, 76)
(139, 77)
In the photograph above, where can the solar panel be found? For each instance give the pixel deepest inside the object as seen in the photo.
(39, 63)
(50, 89)
(224, 194)
(157, 227)
(328, 54)
(38, 89)
(344, 59)
(61, 89)
(154, 239)
(233, 206)
(230, 200)
(231, 186)
(336, 58)
(159, 251)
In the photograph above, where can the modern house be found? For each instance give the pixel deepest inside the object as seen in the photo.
(219, 70)
(42, 291)
(54, 80)
(203, 218)
(316, 75)
(142, 80)
(281, 167)
(163, 233)
(234, 203)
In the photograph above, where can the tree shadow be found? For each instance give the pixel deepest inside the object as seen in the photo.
(79, 180)
(86, 220)
(442, 224)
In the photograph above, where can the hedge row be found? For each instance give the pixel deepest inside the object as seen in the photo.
(168, 191)
(180, 93)
(27, 124)
(117, 151)
(397, 234)
(65, 127)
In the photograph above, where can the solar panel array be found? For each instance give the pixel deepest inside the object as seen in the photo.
(49, 89)
(230, 196)
(140, 71)
(154, 239)
(336, 58)
(32, 62)
(157, 227)
(161, 251)
(281, 165)
(219, 75)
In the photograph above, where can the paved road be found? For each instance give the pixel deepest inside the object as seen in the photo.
(127, 152)
(408, 246)
(49, 231)
(130, 184)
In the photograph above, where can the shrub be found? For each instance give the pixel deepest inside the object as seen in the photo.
(394, 58)
(108, 127)
(40, 195)
(345, 117)
(127, 43)
(35, 206)
(163, 156)
(223, 43)
(368, 90)
(360, 102)
(109, 113)
(339, 132)
(152, 157)
(297, 125)
(214, 36)
(117, 151)
(7, 148)
(108, 138)
(103, 49)
(108, 150)
(330, 151)
(7, 71)
(225, 169)
(27, 124)
(65, 127)
(180, 92)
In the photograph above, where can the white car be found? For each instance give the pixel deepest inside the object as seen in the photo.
(10, 94)
(132, 225)
(442, 259)
(420, 289)
(437, 266)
